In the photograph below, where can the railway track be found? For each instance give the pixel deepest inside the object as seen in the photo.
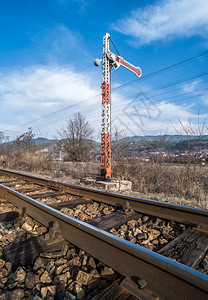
(177, 235)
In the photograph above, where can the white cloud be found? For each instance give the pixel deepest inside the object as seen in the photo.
(205, 99)
(166, 20)
(134, 118)
(39, 91)
(33, 92)
(189, 88)
(42, 85)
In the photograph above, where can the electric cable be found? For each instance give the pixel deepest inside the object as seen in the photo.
(114, 46)
(183, 62)
(123, 85)
(91, 98)
(92, 113)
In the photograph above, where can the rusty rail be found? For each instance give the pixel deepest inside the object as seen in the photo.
(179, 213)
(165, 278)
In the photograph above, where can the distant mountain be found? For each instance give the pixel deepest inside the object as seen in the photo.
(41, 140)
(164, 137)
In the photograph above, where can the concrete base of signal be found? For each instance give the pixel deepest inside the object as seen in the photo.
(114, 185)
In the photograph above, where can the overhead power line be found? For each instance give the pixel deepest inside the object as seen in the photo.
(171, 67)
(115, 47)
(134, 95)
(188, 60)
(93, 113)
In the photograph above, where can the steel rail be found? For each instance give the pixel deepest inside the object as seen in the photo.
(179, 213)
(166, 278)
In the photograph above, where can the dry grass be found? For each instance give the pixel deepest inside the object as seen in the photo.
(77, 170)
(187, 183)
(28, 162)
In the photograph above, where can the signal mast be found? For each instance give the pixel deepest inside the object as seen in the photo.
(109, 60)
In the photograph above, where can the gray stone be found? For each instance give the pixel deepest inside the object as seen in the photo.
(18, 294)
(133, 240)
(19, 275)
(52, 270)
(27, 227)
(79, 291)
(136, 231)
(50, 264)
(92, 263)
(141, 236)
(40, 230)
(3, 273)
(60, 262)
(2, 282)
(70, 296)
(12, 285)
(36, 297)
(22, 233)
(145, 218)
(36, 288)
(139, 220)
(60, 269)
(81, 252)
(6, 296)
(95, 280)
(124, 227)
(75, 262)
(63, 277)
(40, 272)
(60, 287)
(40, 263)
(8, 266)
(28, 294)
(30, 280)
(106, 211)
(70, 253)
(83, 277)
(153, 234)
(45, 278)
(163, 242)
(44, 290)
(2, 263)
(107, 273)
(132, 223)
(84, 260)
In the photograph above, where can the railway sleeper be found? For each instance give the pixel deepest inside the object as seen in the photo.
(189, 248)
(195, 238)
(25, 252)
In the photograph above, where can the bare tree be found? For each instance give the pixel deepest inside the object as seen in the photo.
(119, 144)
(75, 139)
(23, 144)
(194, 132)
(1, 141)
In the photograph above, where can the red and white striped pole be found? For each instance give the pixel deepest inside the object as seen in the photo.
(109, 60)
(106, 112)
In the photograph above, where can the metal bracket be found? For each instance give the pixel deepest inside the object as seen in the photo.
(127, 209)
(138, 288)
(54, 234)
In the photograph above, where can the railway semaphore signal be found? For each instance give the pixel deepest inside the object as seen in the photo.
(109, 60)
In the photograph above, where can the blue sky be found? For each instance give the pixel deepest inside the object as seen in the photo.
(47, 74)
